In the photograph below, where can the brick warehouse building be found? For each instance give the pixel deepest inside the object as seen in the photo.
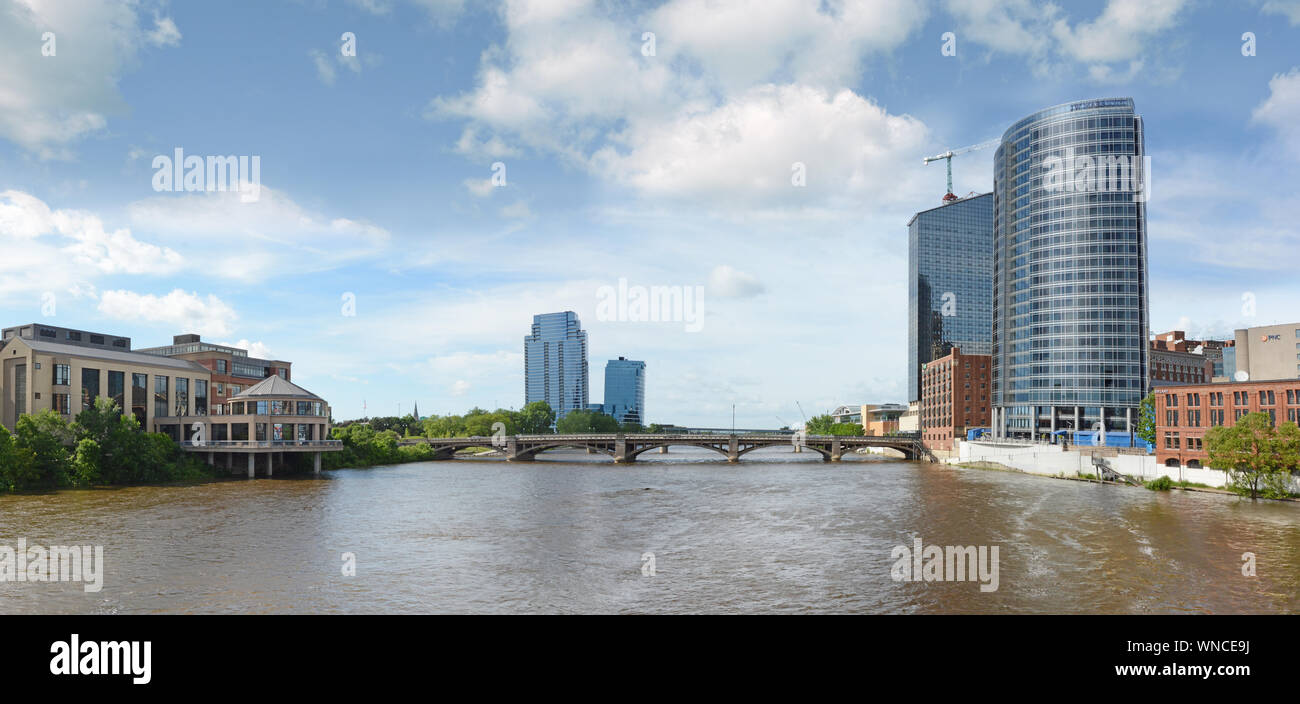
(1185, 413)
(954, 397)
(1171, 365)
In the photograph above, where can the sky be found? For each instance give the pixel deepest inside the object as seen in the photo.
(432, 173)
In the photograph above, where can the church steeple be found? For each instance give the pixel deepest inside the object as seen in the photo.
(416, 410)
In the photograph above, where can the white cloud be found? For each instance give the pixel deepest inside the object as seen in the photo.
(1281, 110)
(257, 350)
(518, 210)
(481, 187)
(460, 387)
(727, 282)
(165, 32)
(48, 102)
(324, 69)
(1287, 8)
(180, 310)
(1122, 34)
(248, 241)
(39, 243)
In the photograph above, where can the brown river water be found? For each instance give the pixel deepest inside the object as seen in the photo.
(776, 533)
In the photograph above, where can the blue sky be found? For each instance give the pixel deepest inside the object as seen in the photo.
(671, 169)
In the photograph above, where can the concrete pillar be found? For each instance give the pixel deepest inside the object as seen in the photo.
(733, 450)
(836, 451)
(212, 459)
(1076, 419)
(270, 463)
(316, 464)
(663, 450)
(252, 471)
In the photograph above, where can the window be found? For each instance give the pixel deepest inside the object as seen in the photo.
(221, 366)
(74, 336)
(89, 387)
(62, 404)
(160, 397)
(182, 397)
(284, 374)
(119, 342)
(200, 397)
(139, 396)
(62, 374)
(96, 339)
(117, 388)
(46, 332)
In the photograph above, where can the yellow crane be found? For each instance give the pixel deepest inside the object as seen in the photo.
(948, 155)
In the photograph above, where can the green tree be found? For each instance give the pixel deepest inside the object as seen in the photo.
(1146, 427)
(49, 438)
(1258, 457)
(819, 425)
(17, 464)
(584, 421)
(536, 419)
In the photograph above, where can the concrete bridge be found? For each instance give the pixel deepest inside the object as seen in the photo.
(625, 448)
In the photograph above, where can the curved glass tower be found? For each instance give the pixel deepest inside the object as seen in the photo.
(555, 363)
(1070, 271)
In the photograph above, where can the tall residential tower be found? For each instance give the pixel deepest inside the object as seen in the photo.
(949, 283)
(1070, 312)
(625, 390)
(555, 363)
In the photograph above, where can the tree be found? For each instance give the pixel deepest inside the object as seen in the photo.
(17, 464)
(826, 425)
(536, 419)
(1258, 457)
(1146, 427)
(582, 421)
(49, 439)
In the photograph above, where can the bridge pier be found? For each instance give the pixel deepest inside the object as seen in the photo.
(252, 469)
(733, 450)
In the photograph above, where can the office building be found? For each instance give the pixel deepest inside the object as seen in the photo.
(49, 367)
(1185, 413)
(1219, 352)
(232, 369)
(954, 398)
(949, 283)
(625, 390)
(1268, 352)
(1070, 309)
(555, 363)
(882, 419)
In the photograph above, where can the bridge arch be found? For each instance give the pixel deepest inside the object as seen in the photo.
(825, 453)
(633, 454)
(531, 453)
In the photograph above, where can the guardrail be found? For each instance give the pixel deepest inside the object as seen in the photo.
(261, 444)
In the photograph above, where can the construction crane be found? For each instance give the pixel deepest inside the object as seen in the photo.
(948, 155)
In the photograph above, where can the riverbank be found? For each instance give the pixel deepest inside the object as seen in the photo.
(1058, 463)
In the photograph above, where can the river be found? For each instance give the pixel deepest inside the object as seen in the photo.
(776, 533)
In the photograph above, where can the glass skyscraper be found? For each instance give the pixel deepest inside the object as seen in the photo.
(555, 363)
(949, 283)
(1070, 313)
(625, 390)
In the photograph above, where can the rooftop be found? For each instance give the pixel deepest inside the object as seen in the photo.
(274, 386)
(59, 348)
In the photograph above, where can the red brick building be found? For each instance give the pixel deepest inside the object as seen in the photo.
(233, 371)
(1185, 413)
(1174, 364)
(954, 397)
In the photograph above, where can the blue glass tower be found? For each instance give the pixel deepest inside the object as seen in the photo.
(1070, 309)
(555, 363)
(949, 283)
(625, 390)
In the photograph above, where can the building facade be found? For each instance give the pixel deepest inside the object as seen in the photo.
(555, 363)
(1185, 413)
(1070, 308)
(949, 283)
(1268, 352)
(1217, 351)
(955, 393)
(1171, 366)
(882, 419)
(231, 368)
(38, 373)
(625, 390)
